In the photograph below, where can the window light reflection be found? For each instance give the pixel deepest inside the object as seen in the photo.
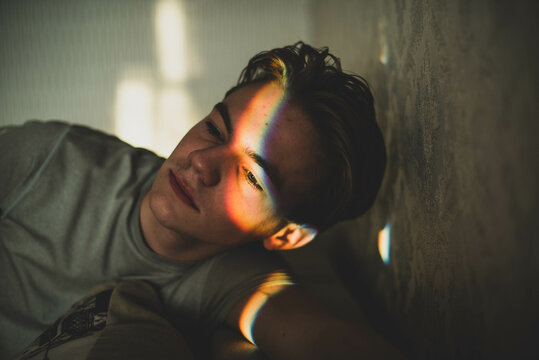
(156, 111)
(273, 285)
(170, 37)
(134, 112)
(172, 119)
(383, 41)
(384, 243)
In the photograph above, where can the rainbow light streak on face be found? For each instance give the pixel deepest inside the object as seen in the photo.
(384, 243)
(258, 132)
(274, 284)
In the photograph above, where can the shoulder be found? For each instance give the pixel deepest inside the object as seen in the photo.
(17, 138)
(24, 147)
(235, 274)
(41, 137)
(246, 262)
(35, 140)
(38, 133)
(28, 150)
(27, 147)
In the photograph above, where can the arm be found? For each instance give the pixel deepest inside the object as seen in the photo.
(290, 325)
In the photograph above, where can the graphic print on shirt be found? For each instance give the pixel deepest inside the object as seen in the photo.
(86, 317)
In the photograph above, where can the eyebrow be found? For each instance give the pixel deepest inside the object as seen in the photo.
(269, 169)
(223, 111)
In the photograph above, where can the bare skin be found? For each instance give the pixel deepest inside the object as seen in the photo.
(221, 188)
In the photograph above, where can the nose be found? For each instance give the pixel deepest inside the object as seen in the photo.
(210, 164)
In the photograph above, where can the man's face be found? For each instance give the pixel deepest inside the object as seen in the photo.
(223, 185)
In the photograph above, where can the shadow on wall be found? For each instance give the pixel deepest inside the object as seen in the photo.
(456, 85)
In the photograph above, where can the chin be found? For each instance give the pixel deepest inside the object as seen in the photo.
(162, 209)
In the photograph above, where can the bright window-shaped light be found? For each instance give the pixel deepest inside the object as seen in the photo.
(170, 31)
(173, 116)
(383, 41)
(384, 243)
(134, 112)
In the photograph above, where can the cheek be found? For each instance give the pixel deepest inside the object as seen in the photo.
(161, 205)
(179, 154)
(245, 207)
(187, 144)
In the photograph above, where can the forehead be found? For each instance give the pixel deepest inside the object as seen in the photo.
(265, 121)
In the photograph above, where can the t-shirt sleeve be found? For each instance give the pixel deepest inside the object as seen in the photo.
(239, 273)
(24, 152)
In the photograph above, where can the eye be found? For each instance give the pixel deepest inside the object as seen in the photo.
(252, 179)
(213, 130)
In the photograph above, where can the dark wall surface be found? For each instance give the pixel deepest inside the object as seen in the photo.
(456, 85)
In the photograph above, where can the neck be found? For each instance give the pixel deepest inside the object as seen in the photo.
(168, 242)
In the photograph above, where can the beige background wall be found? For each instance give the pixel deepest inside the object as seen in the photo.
(154, 65)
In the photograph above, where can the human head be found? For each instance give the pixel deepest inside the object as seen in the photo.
(323, 140)
(341, 108)
(228, 178)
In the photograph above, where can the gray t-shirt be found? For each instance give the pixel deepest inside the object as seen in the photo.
(69, 219)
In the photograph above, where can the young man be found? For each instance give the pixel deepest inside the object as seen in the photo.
(290, 151)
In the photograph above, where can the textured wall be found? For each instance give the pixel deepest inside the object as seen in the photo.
(456, 84)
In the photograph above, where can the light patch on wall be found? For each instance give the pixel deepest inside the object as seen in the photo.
(156, 111)
(134, 112)
(384, 243)
(174, 112)
(382, 41)
(171, 42)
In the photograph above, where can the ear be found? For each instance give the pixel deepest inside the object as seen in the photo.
(291, 236)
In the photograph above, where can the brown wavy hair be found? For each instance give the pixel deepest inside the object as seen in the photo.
(341, 107)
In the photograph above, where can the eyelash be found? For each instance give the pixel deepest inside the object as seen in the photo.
(252, 179)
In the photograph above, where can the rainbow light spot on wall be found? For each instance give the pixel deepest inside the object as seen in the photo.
(274, 284)
(259, 133)
(384, 243)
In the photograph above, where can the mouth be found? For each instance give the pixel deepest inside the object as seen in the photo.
(181, 191)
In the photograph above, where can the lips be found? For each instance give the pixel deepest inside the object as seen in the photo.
(181, 191)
